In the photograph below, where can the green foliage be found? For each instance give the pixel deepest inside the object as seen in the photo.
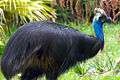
(2, 39)
(1, 76)
(63, 15)
(4, 36)
(110, 78)
(22, 11)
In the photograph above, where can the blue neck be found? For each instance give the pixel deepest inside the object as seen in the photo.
(98, 29)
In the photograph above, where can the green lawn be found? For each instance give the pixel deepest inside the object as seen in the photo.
(104, 66)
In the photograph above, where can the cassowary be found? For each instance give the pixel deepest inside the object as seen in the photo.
(48, 48)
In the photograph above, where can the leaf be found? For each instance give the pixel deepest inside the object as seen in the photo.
(1, 43)
(29, 10)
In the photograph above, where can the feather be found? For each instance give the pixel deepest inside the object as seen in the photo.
(46, 48)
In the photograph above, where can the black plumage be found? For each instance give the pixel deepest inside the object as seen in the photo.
(46, 48)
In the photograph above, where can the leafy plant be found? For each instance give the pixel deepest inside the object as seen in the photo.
(2, 39)
(63, 15)
(22, 11)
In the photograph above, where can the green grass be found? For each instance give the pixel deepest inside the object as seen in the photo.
(104, 66)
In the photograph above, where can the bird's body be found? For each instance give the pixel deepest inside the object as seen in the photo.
(47, 48)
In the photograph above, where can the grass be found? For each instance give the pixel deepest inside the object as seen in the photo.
(104, 66)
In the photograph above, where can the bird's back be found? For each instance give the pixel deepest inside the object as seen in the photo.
(44, 39)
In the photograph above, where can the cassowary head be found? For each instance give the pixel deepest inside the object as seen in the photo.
(98, 24)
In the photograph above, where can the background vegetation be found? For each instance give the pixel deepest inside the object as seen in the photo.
(77, 14)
